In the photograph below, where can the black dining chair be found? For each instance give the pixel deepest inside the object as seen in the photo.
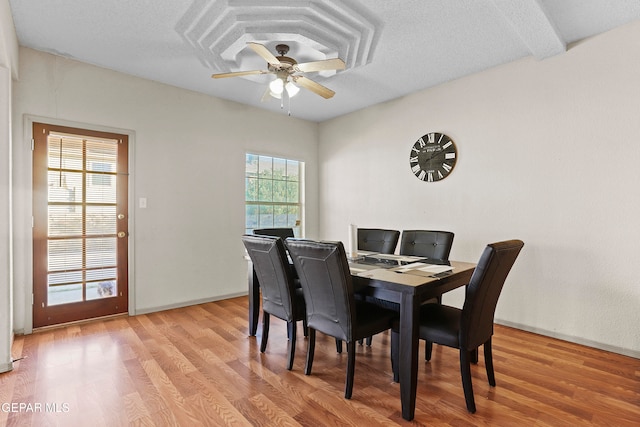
(378, 240)
(280, 297)
(472, 326)
(282, 232)
(331, 304)
(432, 244)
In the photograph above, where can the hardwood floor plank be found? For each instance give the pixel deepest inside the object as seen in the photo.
(135, 408)
(196, 366)
(272, 412)
(170, 394)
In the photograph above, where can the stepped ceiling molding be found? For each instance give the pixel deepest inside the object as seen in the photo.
(219, 31)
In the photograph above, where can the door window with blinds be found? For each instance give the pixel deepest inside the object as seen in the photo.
(273, 193)
(79, 223)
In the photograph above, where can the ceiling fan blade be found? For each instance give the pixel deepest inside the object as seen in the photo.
(327, 64)
(266, 95)
(239, 73)
(314, 87)
(263, 52)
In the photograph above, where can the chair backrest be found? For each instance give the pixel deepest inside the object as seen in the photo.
(378, 240)
(427, 243)
(278, 232)
(326, 285)
(483, 291)
(271, 265)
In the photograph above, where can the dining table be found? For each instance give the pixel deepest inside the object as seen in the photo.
(406, 281)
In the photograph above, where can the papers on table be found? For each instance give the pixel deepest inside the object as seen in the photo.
(400, 258)
(427, 268)
(366, 253)
(387, 275)
(370, 264)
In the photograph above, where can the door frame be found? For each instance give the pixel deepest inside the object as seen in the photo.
(28, 249)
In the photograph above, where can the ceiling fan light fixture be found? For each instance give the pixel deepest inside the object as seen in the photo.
(276, 87)
(292, 90)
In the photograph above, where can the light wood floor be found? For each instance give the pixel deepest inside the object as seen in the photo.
(196, 366)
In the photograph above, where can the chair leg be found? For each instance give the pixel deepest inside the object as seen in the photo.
(488, 361)
(338, 345)
(351, 368)
(305, 328)
(395, 353)
(311, 347)
(265, 331)
(474, 356)
(292, 343)
(465, 371)
(291, 327)
(360, 341)
(428, 349)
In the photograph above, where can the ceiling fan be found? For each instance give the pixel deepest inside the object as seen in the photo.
(285, 69)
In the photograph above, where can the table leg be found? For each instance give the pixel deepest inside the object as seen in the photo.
(254, 300)
(408, 357)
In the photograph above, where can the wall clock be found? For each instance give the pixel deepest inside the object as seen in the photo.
(433, 157)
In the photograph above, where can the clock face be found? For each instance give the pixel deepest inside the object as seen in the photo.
(433, 157)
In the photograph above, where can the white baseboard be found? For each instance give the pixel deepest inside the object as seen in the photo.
(6, 367)
(188, 303)
(576, 340)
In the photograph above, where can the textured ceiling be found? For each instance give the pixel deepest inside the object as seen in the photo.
(391, 48)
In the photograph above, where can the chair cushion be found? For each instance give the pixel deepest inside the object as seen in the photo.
(371, 319)
(440, 324)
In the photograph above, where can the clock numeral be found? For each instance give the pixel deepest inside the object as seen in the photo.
(440, 176)
(445, 146)
(417, 150)
(430, 178)
(446, 167)
(413, 159)
(432, 138)
(421, 142)
(422, 174)
(440, 139)
(415, 169)
(450, 156)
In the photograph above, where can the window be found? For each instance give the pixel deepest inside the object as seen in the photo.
(272, 193)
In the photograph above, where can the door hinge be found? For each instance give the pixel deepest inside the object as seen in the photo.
(33, 143)
(33, 221)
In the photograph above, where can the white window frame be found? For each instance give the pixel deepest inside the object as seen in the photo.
(298, 225)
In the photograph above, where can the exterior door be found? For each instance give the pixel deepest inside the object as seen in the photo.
(80, 224)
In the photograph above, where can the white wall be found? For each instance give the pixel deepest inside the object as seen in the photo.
(8, 68)
(6, 238)
(548, 153)
(187, 159)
